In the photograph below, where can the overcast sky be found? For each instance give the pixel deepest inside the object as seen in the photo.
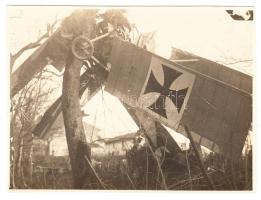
(207, 32)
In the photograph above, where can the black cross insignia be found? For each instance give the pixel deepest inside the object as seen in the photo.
(176, 96)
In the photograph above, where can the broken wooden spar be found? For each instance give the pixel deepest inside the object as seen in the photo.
(158, 135)
(51, 114)
(53, 51)
(215, 102)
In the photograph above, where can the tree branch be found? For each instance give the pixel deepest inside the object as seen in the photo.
(235, 62)
(33, 45)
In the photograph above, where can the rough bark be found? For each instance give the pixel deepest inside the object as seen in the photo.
(77, 145)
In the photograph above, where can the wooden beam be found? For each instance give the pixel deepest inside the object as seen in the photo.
(52, 113)
(53, 51)
(201, 164)
(158, 130)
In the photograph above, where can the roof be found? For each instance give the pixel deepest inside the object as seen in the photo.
(95, 145)
(129, 136)
(91, 131)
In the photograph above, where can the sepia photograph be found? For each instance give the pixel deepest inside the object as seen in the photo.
(131, 98)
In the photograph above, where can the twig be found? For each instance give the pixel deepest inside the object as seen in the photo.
(188, 165)
(203, 170)
(44, 176)
(132, 184)
(232, 163)
(159, 167)
(94, 172)
(196, 177)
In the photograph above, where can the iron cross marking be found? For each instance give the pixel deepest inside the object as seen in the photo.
(176, 96)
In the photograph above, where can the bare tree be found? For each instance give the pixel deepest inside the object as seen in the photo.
(26, 108)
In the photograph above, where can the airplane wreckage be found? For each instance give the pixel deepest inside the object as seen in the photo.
(184, 92)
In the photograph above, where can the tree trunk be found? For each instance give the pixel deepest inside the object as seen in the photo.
(13, 168)
(18, 173)
(77, 145)
(31, 167)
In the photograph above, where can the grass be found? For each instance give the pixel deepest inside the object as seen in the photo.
(139, 170)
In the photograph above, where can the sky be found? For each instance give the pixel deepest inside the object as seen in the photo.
(204, 31)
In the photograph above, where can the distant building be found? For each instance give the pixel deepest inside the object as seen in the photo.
(112, 146)
(58, 146)
(120, 144)
(98, 149)
(55, 144)
(40, 147)
(56, 139)
(58, 143)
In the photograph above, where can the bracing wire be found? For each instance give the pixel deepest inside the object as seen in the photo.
(110, 110)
